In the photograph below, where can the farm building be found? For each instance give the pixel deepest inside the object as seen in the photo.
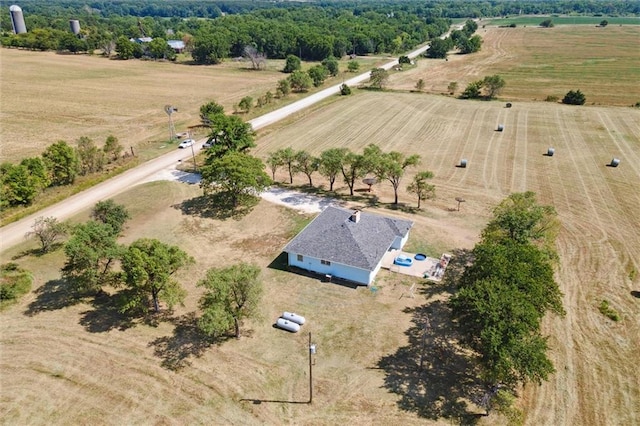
(347, 244)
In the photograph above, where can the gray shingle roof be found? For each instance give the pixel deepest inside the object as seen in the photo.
(334, 237)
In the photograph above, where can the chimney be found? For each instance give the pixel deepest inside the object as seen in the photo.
(355, 216)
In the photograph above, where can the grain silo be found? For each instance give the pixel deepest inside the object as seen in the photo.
(17, 20)
(75, 26)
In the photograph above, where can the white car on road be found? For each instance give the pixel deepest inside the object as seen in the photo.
(186, 143)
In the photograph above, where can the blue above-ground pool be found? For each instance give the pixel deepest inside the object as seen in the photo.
(403, 260)
(420, 256)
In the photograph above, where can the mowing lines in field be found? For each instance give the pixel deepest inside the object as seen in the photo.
(495, 153)
(630, 157)
(571, 141)
(519, 168)
(468, 146)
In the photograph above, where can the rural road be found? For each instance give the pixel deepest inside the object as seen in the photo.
(14, 233)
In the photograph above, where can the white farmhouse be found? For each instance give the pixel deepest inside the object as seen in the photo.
(347, 244)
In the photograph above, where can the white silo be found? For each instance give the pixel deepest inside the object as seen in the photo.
(75, 26)
(17, 20)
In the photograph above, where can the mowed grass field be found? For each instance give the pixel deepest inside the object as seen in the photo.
(537, 62)
(79, 362)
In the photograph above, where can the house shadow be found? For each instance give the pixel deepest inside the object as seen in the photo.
(433, 376)
(217, 206)
(281, 263)
(105, 315)
(52, 296)
(186, 342)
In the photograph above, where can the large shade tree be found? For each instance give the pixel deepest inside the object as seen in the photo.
(235, 174)
(232, 294)
(148, 267)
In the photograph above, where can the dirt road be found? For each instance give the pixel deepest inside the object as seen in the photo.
(13, 233)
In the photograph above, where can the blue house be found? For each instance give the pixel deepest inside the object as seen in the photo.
(347, 244)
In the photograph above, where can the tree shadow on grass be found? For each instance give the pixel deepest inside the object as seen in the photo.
(37, 252)
(105, 315)
(217, 206)
(187, 341)
(448, 380)
(51, 296)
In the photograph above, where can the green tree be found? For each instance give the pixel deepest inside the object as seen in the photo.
(211, 48)
(472, 91)
(91, 253)
(353, 66)
(124, 48)
(574, 98)
(404, 60)
(232, 294)
(287, 158)
(274, 160)
(18, 186)
(318, 74)
(235, 174)
(470, 45)
(306, 164)
(438, 48)
(391, 166)
(159, 49)
(331, 164)
(354, 166)
(284, 88)
(62, 163)
(547, 23)
(112, 148)
(379, 78)
(292, 63)
(229, 134)
(345, 90)
(300, 81)
(148, 266)
(470, 27)
(493, 84)
(112, 214)
(91, 159)
(37, 171)
(246, 104)
(331, 64)
(48, 230)
(604, 23)
(209, 111)
(421, 188)
(14, 282)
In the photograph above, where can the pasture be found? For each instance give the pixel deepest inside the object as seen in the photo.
(66, 361)
(95, 367)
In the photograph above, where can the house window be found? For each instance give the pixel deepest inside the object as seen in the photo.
(300, 258)
(325, 262)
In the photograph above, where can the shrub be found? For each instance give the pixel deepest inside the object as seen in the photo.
(574, 98)
(551, 98)
(547, 23)
(345, 90)
(14, 282)
(608, 311)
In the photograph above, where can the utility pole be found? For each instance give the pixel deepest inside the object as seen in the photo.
(312, 351)
(193, 154)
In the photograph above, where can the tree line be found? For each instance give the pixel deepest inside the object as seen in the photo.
(504, 294)
(59, 165)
